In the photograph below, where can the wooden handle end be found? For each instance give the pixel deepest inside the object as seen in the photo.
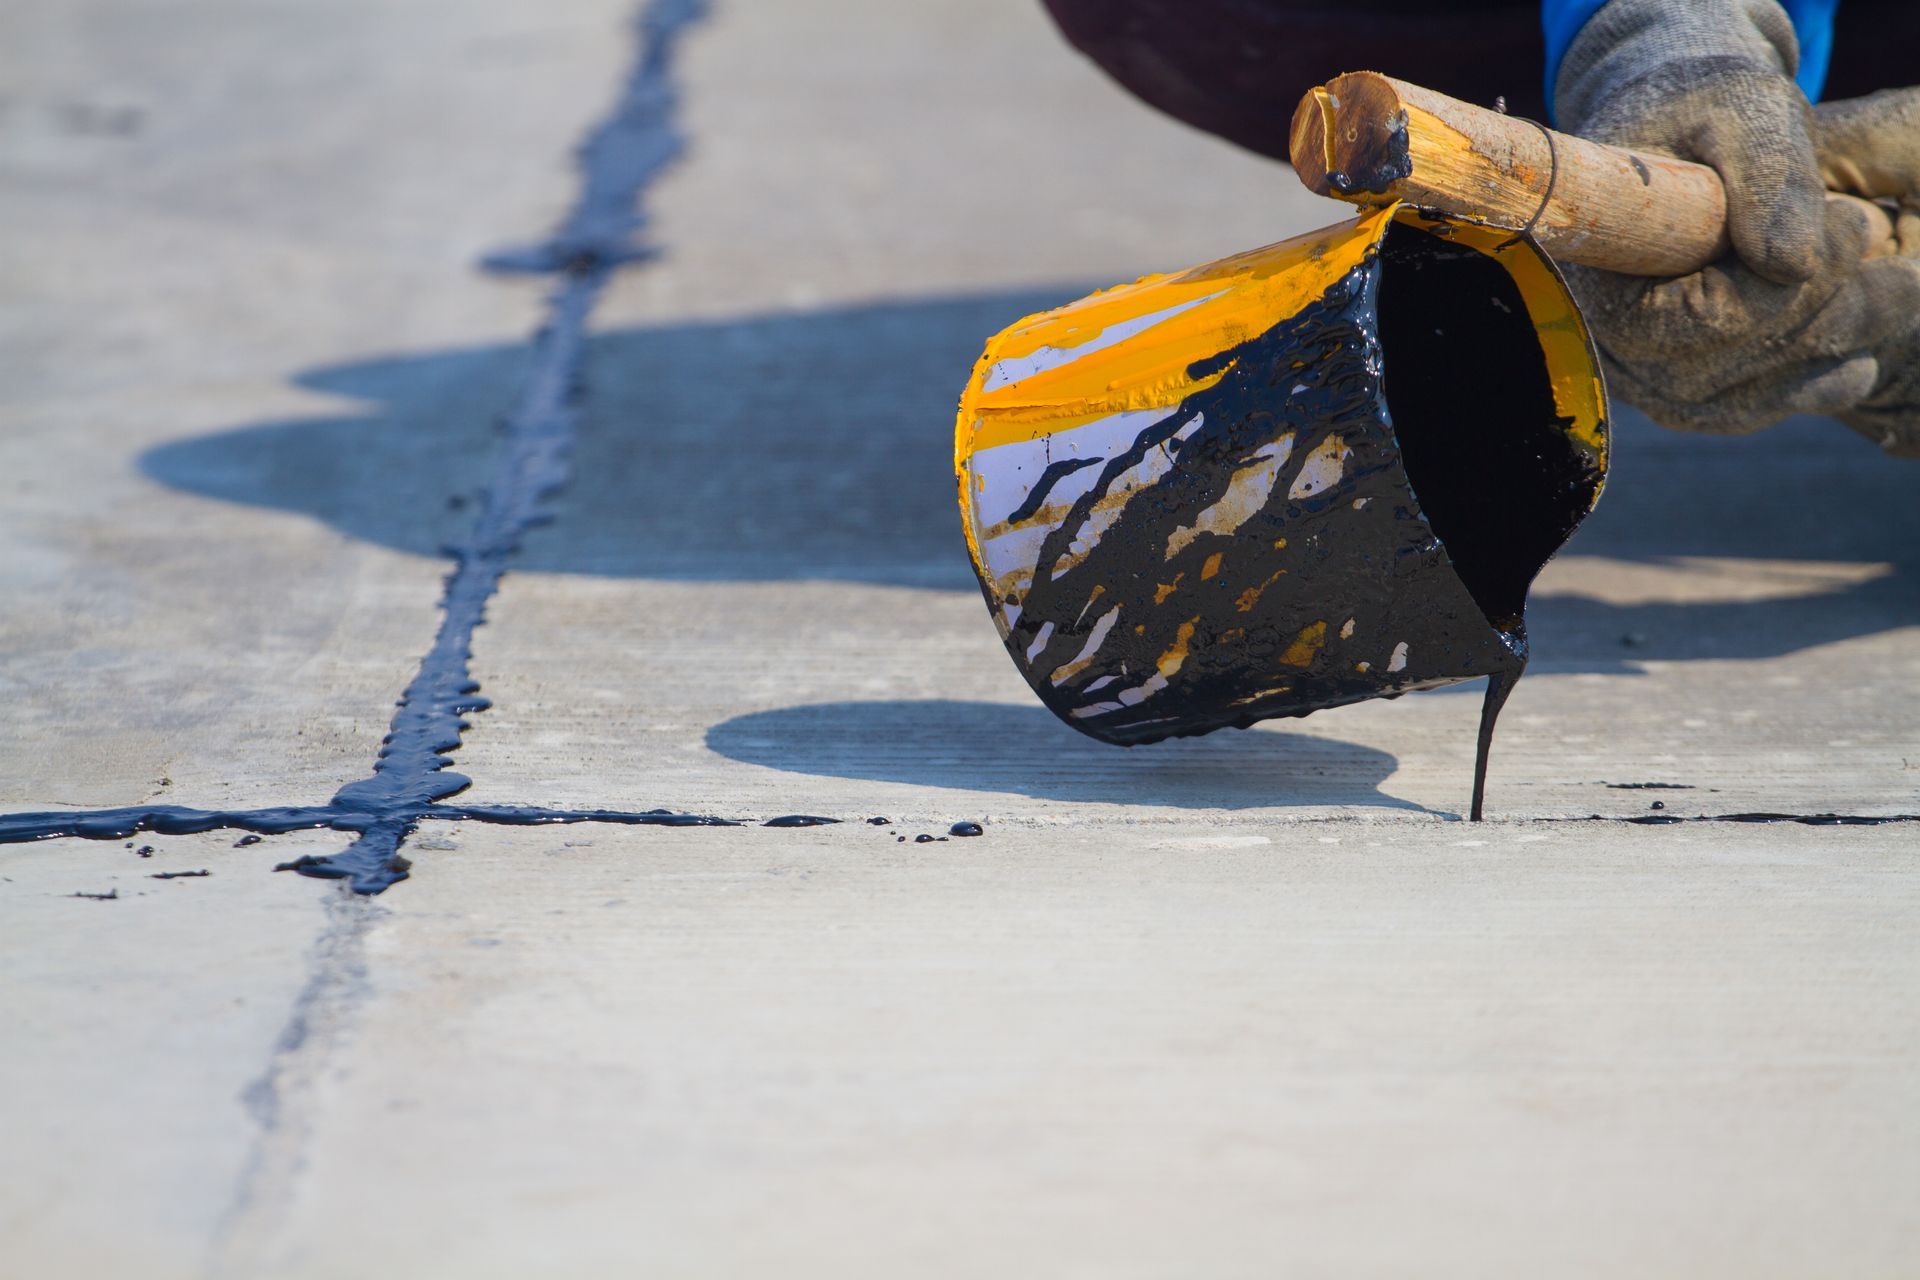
(1349, 138)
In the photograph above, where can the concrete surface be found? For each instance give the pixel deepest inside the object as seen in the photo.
(1251, 1004)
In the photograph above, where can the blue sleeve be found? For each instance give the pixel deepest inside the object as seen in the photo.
(1561, 21)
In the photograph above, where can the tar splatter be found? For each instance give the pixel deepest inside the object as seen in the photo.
(1381, 159)
(178, 875)
(799, 820)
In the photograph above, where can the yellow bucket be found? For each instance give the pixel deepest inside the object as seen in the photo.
(1322, 471)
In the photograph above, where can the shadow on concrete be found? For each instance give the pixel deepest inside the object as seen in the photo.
(818, 445)
(1024, 750)
(777, 447)
(1808, 490)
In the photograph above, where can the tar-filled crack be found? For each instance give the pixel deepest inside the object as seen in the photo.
(618, 163)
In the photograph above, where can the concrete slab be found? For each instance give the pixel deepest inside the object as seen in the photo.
(146, 1036)
(1326, 1049)
(1249, 1003)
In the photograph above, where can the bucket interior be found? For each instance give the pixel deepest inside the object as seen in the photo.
(1468, 390)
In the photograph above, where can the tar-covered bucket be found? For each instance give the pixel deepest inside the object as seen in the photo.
(1323, 471)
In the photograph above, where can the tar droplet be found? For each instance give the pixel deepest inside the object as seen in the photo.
(799, 820)
(879, 822)
(923, 838)
(1658, 804)
(899, 839)
(144, 851)
(244, 841)
(966, 829)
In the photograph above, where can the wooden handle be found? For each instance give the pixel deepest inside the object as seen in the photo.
(1370, 139)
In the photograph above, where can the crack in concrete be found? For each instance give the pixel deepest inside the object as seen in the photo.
(322, 1014)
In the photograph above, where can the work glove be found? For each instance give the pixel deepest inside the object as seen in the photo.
(1799, 317)
(1871, 147)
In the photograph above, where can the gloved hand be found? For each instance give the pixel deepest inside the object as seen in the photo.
(1871, 147)
(1794, 319)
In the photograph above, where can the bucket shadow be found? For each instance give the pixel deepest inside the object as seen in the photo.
(1024, 750)
(818, 445)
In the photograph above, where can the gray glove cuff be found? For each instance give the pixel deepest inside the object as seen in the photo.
(1633, 40)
